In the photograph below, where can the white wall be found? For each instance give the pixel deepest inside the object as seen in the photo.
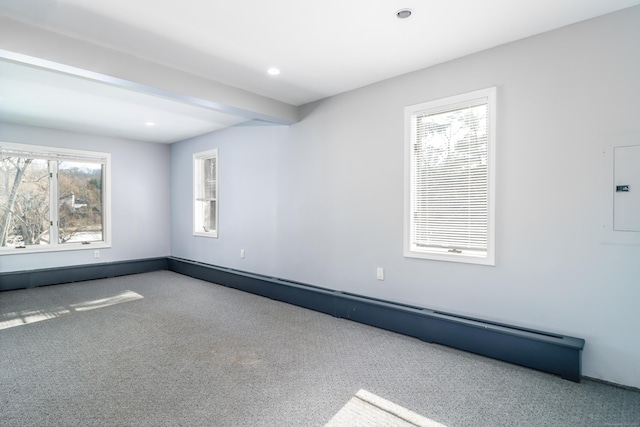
(248, 192)
(321, 202)
(140, 182)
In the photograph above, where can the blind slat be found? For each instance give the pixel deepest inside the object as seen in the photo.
(449, 180)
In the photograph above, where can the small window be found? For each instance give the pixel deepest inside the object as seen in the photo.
(449, 185)
(205, 187)
(52, 199)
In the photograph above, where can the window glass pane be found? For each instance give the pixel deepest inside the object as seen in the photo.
(450, 179)
(209, 179)
(208, 215)
(24, 201)
(80, 202)
(206, 199)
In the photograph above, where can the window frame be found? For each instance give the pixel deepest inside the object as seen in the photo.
(60, 155)
(443, 253)
(198, 157)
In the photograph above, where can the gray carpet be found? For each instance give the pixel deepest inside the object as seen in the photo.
(161, 349)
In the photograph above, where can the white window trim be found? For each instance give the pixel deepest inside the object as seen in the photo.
(66, 154)
(202, 155)
(442, 254)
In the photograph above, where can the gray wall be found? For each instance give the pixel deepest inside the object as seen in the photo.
(139, 202)
(248, 176)
(322, 201)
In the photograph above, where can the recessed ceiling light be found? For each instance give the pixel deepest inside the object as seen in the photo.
(404, 13)
(273, 71)
(149, 123)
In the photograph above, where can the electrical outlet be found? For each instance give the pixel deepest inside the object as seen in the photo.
(380, 273)
(96, 254)
(241, 253)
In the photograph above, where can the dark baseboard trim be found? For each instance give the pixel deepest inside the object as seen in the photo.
(544, 351)
(76, 273)
(314, 298)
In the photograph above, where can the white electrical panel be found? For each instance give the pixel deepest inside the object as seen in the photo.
(626, 199)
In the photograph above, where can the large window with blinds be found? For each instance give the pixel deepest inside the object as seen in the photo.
(205, 188)
(53, 199)
(449, 188)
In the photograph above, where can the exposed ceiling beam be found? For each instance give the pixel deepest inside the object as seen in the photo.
(25, 43)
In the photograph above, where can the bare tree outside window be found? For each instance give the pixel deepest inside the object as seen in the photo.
(49, 200)
(24, 203)
(79, 202)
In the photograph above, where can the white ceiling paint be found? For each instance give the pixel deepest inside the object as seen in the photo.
(322, 47)
(57, 100)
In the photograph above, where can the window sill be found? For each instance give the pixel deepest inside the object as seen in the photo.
(445, 255)
(211, 234)
(53, 248)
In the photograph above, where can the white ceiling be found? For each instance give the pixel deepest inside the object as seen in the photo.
(32, 95)
(322, 47)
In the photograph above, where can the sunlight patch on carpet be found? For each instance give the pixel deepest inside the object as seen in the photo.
(26, 317)
(367, 409)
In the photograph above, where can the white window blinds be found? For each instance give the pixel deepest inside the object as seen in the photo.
(449, 183)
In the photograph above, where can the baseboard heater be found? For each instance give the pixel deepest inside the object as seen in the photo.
(77, 273)
(548, 352)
